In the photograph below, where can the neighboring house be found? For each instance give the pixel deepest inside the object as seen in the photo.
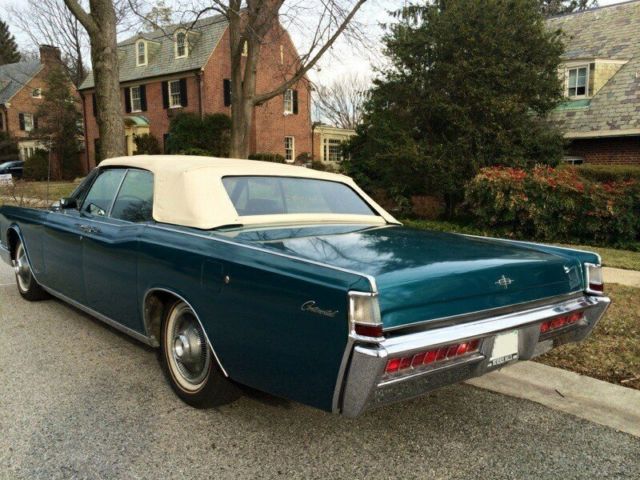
(601, 71)
(328, 142)
(21, 86)
(175, 69)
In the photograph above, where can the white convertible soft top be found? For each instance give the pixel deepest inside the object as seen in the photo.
(188, 191)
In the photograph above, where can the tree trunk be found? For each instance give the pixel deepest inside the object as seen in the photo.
(104, 56)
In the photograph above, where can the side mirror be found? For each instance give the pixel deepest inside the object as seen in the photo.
(68, 202)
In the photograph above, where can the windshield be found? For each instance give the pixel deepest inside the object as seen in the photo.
(258, 195)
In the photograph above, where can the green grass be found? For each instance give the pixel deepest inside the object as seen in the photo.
(612, 352)
(611, 257)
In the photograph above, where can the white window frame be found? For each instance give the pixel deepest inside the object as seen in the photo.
(332, 150)
(135, 98)
(289, 149)
(146, 53)
(185, 46)
(577, 68)
(28, 126)
(173, 92)
(36, 93)
(245, 49)
(288, 101)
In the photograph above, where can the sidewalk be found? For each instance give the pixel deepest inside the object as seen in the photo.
(585, 397)
(630, 278)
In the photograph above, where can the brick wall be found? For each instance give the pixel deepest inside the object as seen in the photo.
(270, 125)
(618, 150)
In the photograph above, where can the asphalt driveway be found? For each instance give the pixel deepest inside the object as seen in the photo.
(80, 400)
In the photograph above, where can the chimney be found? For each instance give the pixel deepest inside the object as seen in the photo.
(50, 55)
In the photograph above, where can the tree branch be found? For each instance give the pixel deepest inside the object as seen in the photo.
(85, 18)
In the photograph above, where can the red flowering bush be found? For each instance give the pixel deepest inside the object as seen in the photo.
(555, 205)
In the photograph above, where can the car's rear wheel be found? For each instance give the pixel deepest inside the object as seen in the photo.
(27, 285)
(188, 361)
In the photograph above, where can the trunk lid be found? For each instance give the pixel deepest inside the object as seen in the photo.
(426, 275)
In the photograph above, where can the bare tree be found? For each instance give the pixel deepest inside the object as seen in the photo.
(51, 22)
(100, 23)
(254, 25)
(341, 102)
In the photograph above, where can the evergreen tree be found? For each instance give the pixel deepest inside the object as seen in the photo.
(8, 47)
(469, 85)
(59, 121)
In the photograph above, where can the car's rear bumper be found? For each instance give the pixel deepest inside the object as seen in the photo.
(367, 386)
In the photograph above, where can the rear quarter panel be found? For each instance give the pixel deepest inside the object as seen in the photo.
(29, 223)
(255, 322)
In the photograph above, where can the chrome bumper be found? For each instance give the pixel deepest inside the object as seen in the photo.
(366, 386)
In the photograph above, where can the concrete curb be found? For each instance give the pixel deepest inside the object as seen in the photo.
(585, 397)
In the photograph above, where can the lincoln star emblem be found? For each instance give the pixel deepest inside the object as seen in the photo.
(311, 306)
(504, 282)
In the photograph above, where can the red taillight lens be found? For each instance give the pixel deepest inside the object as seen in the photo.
(393, 365)
(597, 287)
(448, 352)
(561, 321)
(368, 330)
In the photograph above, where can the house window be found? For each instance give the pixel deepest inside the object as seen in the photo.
(174, 94)
(181, 45)
(136, 99)
(288, 101)
(289, 149)
(332, 150)
(245, 49)
(26, 122)
(577, 81)
(36, 93)
(141, 53)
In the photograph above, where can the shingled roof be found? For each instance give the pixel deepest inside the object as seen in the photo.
(608, 33)
(14, 76)
(204, 36)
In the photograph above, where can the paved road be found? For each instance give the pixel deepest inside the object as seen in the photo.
(79, 400)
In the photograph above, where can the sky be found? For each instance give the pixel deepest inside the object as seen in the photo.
(343, 59)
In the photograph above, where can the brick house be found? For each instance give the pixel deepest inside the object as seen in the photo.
(21, 86)
(173, 70)
(601, 71)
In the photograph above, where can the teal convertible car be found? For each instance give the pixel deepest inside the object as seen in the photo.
(293, 282)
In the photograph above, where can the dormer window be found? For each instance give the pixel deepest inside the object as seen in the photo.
(577, 81)
(141, 53)
(181, 44)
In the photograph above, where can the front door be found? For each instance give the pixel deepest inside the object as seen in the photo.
(110, 254)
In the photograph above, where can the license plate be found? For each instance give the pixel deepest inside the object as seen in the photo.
(505, 348)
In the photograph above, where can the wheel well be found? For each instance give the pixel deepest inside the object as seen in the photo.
(156, 304)
(12, 239)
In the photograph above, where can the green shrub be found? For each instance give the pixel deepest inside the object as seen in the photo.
(211, 134)
(550, 204)
(36, 167)
(267, 157)
(146, 144)
(199, 152)
(609, 173)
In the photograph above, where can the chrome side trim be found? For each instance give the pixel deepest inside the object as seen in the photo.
(103, 318)
(371, 279)
(144, 320)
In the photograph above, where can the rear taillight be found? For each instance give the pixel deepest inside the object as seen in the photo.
(561, 321)
(595, 281)
(364, 314)
(431, 357)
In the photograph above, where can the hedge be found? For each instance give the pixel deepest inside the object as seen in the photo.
(267, 157)
(609, 173)
(550, 204)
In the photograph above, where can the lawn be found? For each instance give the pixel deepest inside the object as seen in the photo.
(26, 193)
(612, 352)
(611, 257)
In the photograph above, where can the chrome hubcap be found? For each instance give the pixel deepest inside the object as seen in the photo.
(189, 350)
(22, 269)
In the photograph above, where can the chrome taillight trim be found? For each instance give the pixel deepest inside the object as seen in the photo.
(587, 276)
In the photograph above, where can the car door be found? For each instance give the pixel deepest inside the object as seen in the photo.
(110, 248)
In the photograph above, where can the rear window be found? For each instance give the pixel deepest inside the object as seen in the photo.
(263, 195)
